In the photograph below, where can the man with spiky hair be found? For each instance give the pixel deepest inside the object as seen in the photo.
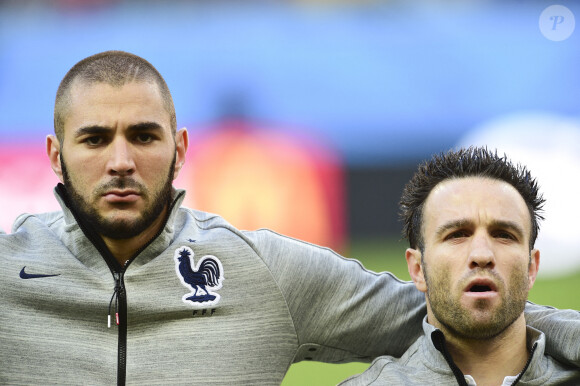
(472, 218)
(123, 285)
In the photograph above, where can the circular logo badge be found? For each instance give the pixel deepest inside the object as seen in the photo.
(557, 23)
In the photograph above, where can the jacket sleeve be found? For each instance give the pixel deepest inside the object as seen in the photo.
(341, 311)
(562, 330)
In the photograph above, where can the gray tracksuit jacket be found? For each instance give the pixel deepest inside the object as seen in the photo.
(201, 303)
(427, 362)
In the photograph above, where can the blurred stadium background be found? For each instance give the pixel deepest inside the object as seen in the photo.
(309, 116)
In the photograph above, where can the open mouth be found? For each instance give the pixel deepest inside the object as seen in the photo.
(480, 288)
(480, 285)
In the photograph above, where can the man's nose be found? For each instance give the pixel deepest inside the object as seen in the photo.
(121, 162)
(481, 252)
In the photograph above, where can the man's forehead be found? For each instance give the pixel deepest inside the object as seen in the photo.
(82, 86)
(85, 96)
(475, 198)
(100, 104)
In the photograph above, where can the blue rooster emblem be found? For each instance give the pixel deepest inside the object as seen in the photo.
(208, 275)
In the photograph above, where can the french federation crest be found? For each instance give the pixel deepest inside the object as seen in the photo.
(202, 279)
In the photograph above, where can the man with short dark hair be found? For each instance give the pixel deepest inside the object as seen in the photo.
(471, 218)
(189, 298)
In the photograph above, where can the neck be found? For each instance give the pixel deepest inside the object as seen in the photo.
(125, 249)
(489, 361)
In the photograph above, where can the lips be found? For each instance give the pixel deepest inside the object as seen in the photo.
(123, 196)
(121, 192)
(481, 285)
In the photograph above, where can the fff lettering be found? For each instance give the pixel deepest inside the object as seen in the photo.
(204, 312)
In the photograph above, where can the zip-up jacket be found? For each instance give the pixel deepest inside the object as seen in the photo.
(427, 362)
(200, 303)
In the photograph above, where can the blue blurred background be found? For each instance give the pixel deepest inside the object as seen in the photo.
(377, 86)
(384, 82)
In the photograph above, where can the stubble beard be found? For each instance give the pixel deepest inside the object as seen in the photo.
(463, 323)
(120, 229)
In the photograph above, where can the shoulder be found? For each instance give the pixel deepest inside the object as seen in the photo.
(415, 367)
(29, 221)
(32, 238)
(204, 221)
(33, 226)
(387, 370)
(211, 228)
(373, 374)
(278, 247)
(557, 373)
(268, 244)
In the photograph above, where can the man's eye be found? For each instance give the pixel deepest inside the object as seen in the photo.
(504, 235)
(144, 138)
(457, 235)
(94, 141)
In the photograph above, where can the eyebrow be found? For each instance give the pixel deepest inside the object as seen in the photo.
(495, 224)
(513, 226)
(95, 129)
(138, 127)
(146, 126)
(455, 224)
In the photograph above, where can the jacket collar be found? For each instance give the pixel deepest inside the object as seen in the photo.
(85, 251)
(538, 368)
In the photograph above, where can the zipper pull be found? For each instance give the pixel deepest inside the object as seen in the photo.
(115, 297)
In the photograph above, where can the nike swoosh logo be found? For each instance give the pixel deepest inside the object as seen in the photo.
(24, 275)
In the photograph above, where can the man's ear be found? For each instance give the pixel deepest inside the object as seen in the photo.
(181, 145)
(413, 257)
(534, 267)
(53, 151)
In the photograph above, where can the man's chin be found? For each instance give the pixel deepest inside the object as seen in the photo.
(120, 228)
(125, 223)
(484, 326)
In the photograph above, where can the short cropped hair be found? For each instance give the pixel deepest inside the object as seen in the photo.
(115, 68)
(470, 162)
